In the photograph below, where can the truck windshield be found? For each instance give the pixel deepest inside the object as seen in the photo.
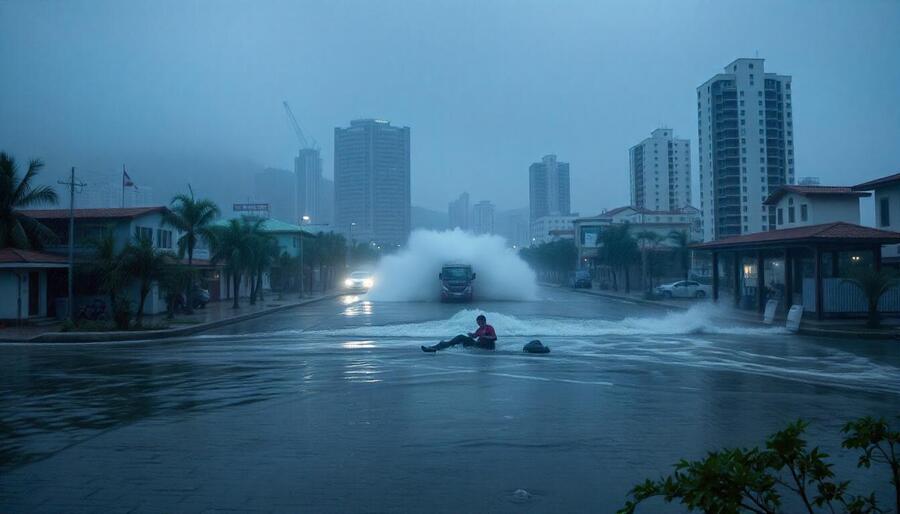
(455, 274)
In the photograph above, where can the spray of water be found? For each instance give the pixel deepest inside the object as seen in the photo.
(412, 274)
(700, 319)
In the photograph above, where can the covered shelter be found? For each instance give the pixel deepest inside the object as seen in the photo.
(799, 266)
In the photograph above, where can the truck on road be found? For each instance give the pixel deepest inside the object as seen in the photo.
(456, 282)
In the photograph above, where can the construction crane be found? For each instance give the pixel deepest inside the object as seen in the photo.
(296, 126)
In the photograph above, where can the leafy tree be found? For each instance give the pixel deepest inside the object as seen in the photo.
(17, 229)
(647, 241)
(682, 241)
(233, 244)
(879, 444)
(554, 260)
(146, 264)
(328, 251)
(873, 285)
(193, 218)
(618, 250)
(264, 251)
(106, 267)
(733, 481)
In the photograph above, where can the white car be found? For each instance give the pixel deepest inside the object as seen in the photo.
(360, 281)
(684, 289)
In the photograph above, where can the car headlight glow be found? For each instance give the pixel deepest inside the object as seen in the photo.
(368, 282)
(348, 282)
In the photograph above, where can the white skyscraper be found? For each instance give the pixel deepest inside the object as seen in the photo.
(661, 172)
(746, 147)
(483, 217)
(458, 212)
(548, 185)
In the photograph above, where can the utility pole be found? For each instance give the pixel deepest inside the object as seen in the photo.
(72, 184)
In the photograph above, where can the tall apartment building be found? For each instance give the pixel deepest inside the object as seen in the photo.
(371, 181)
(548, 188)
(458, 212)
(746, 147)
(308, 174)
(483, 217)
(661, 172)
(277, 188)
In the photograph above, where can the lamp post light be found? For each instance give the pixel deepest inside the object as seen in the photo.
(303, 220)
(350, 245)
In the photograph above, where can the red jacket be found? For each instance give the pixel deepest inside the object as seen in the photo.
(486, 331)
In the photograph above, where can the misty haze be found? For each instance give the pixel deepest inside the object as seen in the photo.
(402, 257)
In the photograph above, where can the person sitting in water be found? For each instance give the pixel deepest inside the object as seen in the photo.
(483, 338)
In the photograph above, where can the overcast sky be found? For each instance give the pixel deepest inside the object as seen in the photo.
(189, 90)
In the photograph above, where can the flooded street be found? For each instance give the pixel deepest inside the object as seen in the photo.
(332, 407)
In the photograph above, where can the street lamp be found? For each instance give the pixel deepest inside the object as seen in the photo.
(350, 243)
(304, 219)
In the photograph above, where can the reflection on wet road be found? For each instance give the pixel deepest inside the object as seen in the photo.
(619, 378)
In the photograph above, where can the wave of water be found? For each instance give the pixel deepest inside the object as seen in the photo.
(412, 273)
(699, 319)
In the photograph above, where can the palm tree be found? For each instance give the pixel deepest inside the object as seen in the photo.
(682, 241)
(146, 264)
(106, 265)
(264, 252)
(193, 219)
(647, 241)
(873, 285)
(17, 229)
(233, 244)
(618, 250)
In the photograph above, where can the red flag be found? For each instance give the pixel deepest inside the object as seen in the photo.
(126, 180)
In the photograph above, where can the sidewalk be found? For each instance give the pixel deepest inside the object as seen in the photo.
(215, 314)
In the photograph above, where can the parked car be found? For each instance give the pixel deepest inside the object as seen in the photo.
(200, 297)
(684, 289)
(580, 279)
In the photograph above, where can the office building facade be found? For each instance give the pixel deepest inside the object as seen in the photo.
(483, 217)
(660, 175)
(746, 147)
(548, 188)
(372, 182)
(458, 212)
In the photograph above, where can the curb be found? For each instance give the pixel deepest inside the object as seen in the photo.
(115, 337)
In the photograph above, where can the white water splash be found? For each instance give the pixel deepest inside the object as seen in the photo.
(699, 319)
(412, 274)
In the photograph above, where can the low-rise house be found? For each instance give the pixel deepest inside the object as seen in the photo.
(800, 206)
(887, 209)
(25, 278)
(588, 233)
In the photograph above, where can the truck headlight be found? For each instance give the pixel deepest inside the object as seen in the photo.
(367, 283)
(348, 283)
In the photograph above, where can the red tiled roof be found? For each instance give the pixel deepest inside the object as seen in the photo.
(878, 182)
(828, 232)
(114, 213)
(812, 191)
(15, 256)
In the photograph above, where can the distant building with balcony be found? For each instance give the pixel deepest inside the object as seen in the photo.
(551, 228)
(660, 175)
(483, 217)
(548, 188)
(372, 182)
(746, 147)
(458, 212)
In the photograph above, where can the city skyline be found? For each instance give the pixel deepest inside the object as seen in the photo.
(227, 116)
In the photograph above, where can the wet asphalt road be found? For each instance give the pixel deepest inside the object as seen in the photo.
(332, 408)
